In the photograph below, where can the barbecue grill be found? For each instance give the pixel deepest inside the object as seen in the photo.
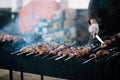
(75, 68)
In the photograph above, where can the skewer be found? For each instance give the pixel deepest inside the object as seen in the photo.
(21, 53)
(96, 49)
(87, 61)
(30, 54)
(98, 54)
(115, 54)
(38, 55)
(15, 52)
(68, 58)
(53, 57)
(96, 46)
(46, 56)
(99, 39)
(60, 57)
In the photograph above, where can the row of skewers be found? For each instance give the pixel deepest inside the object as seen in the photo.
(62, 50)
(101, 51)
(6, 37)
(67, 51)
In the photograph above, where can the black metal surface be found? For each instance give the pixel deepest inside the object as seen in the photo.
(70, 69)
(22, 75)
(63, 69)
(10, 75)
(42, 77)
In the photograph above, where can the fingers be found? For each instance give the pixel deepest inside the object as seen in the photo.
(94, 29)
(93, 34)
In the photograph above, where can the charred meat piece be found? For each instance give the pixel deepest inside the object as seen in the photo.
(62, 54)
(26, 50)
(113, 38)
(54, 51)
(93, 56)
(78, 52)
(86, 50)
(106, 43)
(41, 50)
(100, 53)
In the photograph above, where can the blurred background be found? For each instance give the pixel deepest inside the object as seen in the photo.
(53, 20)
(44, 20)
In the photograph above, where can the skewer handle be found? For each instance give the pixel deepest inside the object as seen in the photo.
(68, 58)
(21, 53)
(96, 49)
(99, 39)
(88, 61)
(15, 52)
(59, 58)
(37, 55)
(30, 54)
(53, 57)
(46, 56)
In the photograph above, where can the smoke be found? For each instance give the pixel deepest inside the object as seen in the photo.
(23, 39)
(11, 28)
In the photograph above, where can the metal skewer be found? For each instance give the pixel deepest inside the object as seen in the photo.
(60, 57)
(68, 58)
(38, 54)
(87, 61)
(21, 53)
(30, 54)
(46, 56)
(53, 57)
(95, 58)
(15, 52)
(99, 39)
(115, 54)
(96, 49)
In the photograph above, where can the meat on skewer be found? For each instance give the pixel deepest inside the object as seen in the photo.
(104, 45)
(32, 50)
(106, 42)
(28, 50)
(79, 52)
(46, 49)
(62, 54)
(113, 38)
(21, 50)
(93, 56)
(98, 54)
(110, 41)
(41, 50)
(102, 53)
(6, 37)
(57, 50)
(70, 51)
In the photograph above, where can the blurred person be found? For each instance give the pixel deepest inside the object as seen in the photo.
(104, 20)
(104, 17)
